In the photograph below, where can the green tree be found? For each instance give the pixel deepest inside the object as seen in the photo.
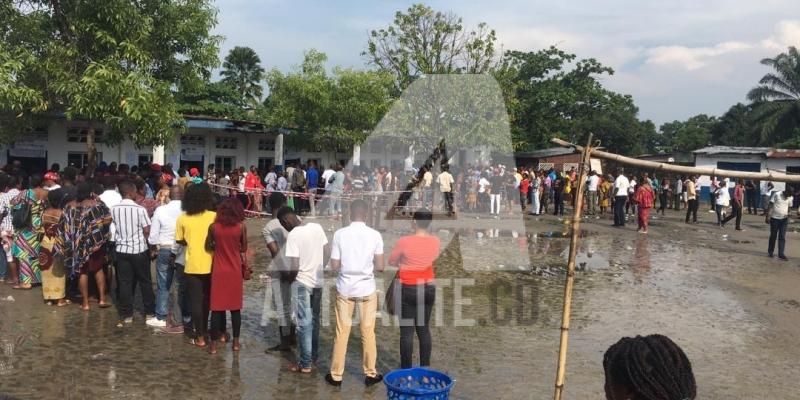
(218, 99)
(549, 93)
(423, 41)
(327, 112)
(242, 70)
(735, 128)
(689, 135)
(111, 62)
(776, 100)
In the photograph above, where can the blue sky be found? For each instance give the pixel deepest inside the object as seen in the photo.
(677, 58)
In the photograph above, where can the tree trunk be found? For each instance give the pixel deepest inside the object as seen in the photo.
(91, 151)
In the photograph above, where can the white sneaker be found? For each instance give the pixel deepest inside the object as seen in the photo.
(154, 322)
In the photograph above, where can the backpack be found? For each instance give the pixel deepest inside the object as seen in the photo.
(298, 179)
(21, 215)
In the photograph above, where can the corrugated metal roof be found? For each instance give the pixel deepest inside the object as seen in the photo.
(765, 151)
(783, 153)
(732, 150)
(543, 153)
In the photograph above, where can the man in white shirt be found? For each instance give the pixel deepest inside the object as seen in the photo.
(162, 235)
(722, 199)
(445, 181)
(110, 197)
(591, 187)
(357, 250)
(620, 190)
(280, 277)
(427, 192)
(778, 218)
(308, 251)
(766, 195)
(326, 180)
(7, 267)
(133, 254)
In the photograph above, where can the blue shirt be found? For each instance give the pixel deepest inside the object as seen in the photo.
(312, 178)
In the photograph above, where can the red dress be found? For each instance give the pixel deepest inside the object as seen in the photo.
(226, 270)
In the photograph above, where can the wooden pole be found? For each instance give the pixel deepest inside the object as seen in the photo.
(573, 250)
(680, 169)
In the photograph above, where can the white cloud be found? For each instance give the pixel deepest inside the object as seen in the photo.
(787, 33)
(691, 58)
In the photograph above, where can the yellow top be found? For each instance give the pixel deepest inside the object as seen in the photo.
(194, 229)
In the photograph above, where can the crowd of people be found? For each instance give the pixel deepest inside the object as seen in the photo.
(91, 239)
(95, 238)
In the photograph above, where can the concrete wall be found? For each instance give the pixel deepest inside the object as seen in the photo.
(206, 151)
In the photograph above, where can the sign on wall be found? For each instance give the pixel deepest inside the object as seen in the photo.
(191, 152)
(33, 145)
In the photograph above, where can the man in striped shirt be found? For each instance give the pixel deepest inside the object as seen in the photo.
(133, 254)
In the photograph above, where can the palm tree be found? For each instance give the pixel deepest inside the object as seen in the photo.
(776, 101)
(242, 70)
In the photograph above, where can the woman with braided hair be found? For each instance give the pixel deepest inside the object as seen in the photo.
(648, 368)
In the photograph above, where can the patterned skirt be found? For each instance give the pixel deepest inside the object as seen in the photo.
(26, 250)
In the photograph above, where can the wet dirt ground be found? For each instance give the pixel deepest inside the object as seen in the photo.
(734, 311)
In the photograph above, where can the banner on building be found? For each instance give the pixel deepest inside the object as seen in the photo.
(32, 145)
(192, 152)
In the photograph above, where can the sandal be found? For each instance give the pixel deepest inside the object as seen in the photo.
(22, 287)
(236, 345)
(62, 303)
(297, 368)
(104, 305)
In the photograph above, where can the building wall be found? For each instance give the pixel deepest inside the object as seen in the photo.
(712, 160)
(246, 152)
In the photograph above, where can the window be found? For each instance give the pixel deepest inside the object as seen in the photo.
(266, 145)
(224, 163)
(224, 142)
(145, 159)
(193, 139)
(264, 163)
(78, 135)
(80, 160)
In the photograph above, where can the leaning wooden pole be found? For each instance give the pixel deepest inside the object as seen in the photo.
(573, 250)
(680, 169)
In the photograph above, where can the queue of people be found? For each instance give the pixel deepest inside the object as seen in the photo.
(94, 239)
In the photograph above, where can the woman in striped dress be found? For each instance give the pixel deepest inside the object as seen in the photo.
(28, 239)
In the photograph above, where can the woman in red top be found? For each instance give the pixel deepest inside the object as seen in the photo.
(645, 199)
(414, 255)
(524, 186)
(229, 245)
(253, 188)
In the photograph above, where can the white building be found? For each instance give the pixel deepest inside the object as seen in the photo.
(750, 159)
(207, 140)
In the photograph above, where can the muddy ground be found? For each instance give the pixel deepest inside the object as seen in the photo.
(734, 311)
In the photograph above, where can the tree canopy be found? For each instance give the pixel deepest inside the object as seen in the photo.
(776, 100)
(327, 112)
(113, 62)
(423, 41)
(548, 93)
(242, 70)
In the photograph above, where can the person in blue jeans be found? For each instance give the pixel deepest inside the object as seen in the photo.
(307, 251)
(778, 217)
(162, 235)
